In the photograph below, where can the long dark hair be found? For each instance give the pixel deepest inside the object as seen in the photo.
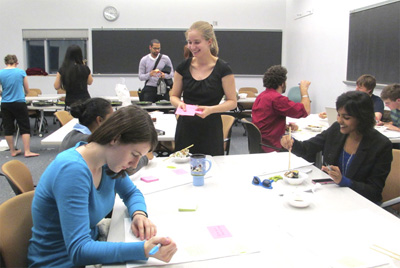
(73, 59)
(128, 125)
(359, 105)
(89, 110)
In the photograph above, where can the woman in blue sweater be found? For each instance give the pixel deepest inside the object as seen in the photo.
(78, 189)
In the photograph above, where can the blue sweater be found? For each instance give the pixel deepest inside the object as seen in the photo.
(65, 210)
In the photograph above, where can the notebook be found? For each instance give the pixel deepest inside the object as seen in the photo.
(331, 113)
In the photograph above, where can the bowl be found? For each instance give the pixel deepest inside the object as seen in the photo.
(242, 95)
(295, 181)
(316, 129)
(182, 159)
(300, 199)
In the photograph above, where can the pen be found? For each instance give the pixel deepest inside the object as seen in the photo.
(328, 166)
(155, 249)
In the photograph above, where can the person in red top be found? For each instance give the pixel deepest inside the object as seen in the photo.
(271, 107)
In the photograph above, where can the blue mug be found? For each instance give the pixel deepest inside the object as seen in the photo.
(198, 168)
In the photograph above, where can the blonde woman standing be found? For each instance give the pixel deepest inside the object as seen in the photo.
(202, 80)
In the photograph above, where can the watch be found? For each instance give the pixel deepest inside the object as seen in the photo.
(110, 13)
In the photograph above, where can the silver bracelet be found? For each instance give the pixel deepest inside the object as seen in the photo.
(305, 96)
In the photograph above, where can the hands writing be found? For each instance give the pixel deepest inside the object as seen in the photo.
(167, 249)
(293, 126)
(142, 227)
(334, 172)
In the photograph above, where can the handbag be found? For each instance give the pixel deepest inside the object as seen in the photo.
(167, 70)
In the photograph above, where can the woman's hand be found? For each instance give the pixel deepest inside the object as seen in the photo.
(167, 250)
(293, 126)
(182, 105)
(142, 227)
(205, 111)
(287, 142)
(322, 115)
(333, 172)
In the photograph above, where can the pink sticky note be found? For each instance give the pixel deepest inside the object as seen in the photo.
(219, 231)
(190, 110)
(149, 179)
(180, 171)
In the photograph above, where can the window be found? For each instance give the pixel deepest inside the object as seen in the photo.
(46, 49)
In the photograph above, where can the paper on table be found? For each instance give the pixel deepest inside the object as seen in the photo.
(190, 110)
(195, 242)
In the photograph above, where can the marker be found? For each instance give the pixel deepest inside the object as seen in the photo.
(155, 249)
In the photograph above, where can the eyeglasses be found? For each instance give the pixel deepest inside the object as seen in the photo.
(265, 183)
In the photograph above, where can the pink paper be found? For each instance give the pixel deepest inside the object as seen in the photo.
(180, 171)
(149, 179)
(190, 110)
(219, 231)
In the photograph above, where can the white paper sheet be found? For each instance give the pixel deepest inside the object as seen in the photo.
(196, 240)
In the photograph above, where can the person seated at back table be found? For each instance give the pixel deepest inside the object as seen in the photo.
(366, 83)
(91, 114)
(391, 96)
(78, 189)
(355, 154)
(271, 107)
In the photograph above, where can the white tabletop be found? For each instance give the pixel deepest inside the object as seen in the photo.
(43, 97)
(338, 226)
(304, 133)
(166, 122)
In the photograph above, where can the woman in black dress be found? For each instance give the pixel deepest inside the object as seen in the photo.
(74, 76)
(202, 80)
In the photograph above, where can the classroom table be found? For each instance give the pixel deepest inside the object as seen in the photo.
(305, 133)
(42, 109)
(258, 226)
(165, 122)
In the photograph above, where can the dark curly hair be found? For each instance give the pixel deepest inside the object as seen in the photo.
(359, 105)
(275, 76)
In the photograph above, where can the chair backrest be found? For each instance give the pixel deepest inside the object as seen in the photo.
(32, 93)
(227, 122)
(18, 176)
(254, 137)
(294, 94)
(392, 185)
(248, 89)
(15, 229)
(134, 93)
(63, 116)
(39, 91)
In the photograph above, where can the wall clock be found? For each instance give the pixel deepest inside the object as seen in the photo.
(110, 13)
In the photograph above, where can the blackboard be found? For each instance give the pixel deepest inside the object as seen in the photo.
(118, 51)
(374, 43)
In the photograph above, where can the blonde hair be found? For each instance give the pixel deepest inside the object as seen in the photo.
(207, 32)
(10, 59)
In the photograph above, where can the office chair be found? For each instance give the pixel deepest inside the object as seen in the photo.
(15, 230)
(391, 191)
(18, 176)
(294, 94)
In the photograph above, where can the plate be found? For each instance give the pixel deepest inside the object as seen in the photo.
(300, 199)
(296, 181)
(42, 103)
(143, 103)
(163, 103)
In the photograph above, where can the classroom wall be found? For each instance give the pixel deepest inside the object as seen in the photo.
(316, 47)
(87, 14)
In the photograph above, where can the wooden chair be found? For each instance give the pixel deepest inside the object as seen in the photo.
(18, 176)
(32, 93)
(15, 230)
(63, 117)
(61, 91)
(248, 89)
(134, 93)
(391, 191)
(39, 91)
(227, 122)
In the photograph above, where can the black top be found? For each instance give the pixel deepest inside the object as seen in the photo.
(76, 89)
(370, 165)
(206, 134)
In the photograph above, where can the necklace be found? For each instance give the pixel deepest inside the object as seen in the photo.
(344, 167)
